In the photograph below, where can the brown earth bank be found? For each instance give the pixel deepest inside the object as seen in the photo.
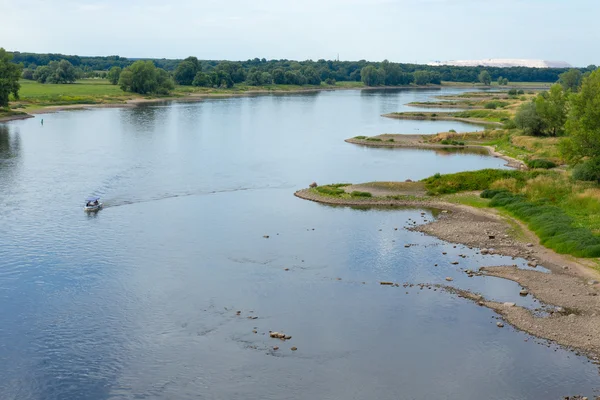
(570, 290)
(423, 142)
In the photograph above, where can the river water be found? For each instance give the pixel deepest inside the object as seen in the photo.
(140, 301)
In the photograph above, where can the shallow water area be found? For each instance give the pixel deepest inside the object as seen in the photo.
(140, 300)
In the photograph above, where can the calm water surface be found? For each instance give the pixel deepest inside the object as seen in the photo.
(141, 299)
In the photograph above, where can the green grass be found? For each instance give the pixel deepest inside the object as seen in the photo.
(473, 180)
(486, 115)
(357, 193)
(360, 137)
(555, 228)
(540, 163)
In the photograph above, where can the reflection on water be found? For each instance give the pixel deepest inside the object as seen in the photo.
(141, 300)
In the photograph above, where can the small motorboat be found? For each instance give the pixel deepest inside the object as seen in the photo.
(92, 204)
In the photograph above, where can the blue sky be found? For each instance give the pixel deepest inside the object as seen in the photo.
(397, 30)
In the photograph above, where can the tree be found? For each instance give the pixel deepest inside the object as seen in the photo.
(570, 80)
(279, 76)
(583, 124)
(551, 107)
(312, 78)
(372, 76)
(186, 72)
(27, 74)
(143, 77)
(528, 119)
(485, 77)
(113, 75)
(201, 79)
(56, 72)
(9, 78)
(421, 78)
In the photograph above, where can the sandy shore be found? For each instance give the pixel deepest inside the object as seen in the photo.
(571, 289)
(420, 142)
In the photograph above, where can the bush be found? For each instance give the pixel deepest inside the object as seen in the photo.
(474, 180)
(492, 105)
(545, 188)
(588, 170)
(520, 91)
(452, 142)
(490, 193)
(372, 139)
(512, 92)
(360, 137)
(509, 184)
(555, 229)
(356, 193)
(540, 163)
(390, 140)
(452, 131)
(330, 190)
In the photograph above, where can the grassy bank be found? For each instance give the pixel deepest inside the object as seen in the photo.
(565, 214)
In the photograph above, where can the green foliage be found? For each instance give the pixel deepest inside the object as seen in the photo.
(360, 137)
(356, 193)
(540, 163)
(528, 119)
(490, 193)
(372, 76)
(485, 77)
(186, 71)
(472, 180)
(492, 105)
(372, 139)
(553, 226)
(56, 72)
(588, 170)
(452, 142)
(512, 92)
(113, 75)
(583, 124)
(551, 107)
(27, 74)
(571, 80)
(144, 78)
(9, 78)
(332, 190)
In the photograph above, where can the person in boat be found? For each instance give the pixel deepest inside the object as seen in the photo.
(96, 202)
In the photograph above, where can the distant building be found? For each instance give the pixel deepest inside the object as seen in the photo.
(504, 62)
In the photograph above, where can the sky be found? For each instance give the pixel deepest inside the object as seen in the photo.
(415, 31)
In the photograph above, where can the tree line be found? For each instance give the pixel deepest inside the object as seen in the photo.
(570, 108)
(327, 70)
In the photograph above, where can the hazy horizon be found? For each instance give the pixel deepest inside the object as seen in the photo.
(407, 31)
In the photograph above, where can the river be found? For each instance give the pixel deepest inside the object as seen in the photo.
(141, 300)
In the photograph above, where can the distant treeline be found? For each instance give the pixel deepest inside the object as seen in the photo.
(262, 71)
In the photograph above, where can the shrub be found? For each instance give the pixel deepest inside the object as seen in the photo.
(470, 180)
(512, 92)
(506, 184)
(360, 137)
(555, 229)
(452, 131)
(330, 190)
(492, 105)
(540, 163)
(434, 115)
(372, 139)
(548, 188)
(390, 140)
(588, 170)
(356, 193)
(490, 193)
(520, 91)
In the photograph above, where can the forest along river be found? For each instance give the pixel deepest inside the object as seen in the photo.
(142, 299)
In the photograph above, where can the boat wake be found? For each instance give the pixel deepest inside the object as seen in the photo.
(116, 202)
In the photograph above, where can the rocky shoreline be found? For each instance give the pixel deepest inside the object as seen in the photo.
(571, 288)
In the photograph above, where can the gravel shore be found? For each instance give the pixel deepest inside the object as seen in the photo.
(571, 289)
